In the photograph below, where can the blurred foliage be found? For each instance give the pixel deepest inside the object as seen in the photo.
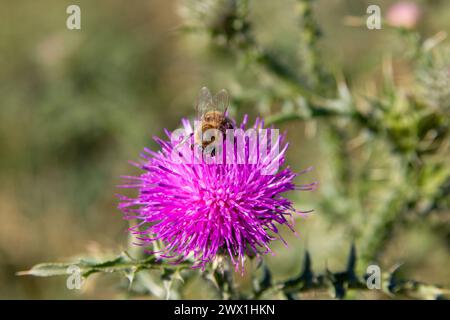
(369, 108)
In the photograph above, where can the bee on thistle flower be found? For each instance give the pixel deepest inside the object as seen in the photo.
(200, 211)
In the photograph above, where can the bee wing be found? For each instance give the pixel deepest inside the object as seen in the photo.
(204, 102)
(221, 101)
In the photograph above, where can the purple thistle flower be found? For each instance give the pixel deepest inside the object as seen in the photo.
(200, 211)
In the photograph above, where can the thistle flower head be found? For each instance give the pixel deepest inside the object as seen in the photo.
(199, 211)
(403, 14)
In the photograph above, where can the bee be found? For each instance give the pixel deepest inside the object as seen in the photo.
(211, 113)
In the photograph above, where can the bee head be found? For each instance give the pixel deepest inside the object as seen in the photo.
(212, 116)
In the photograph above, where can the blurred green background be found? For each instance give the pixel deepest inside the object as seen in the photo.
(76, 105)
